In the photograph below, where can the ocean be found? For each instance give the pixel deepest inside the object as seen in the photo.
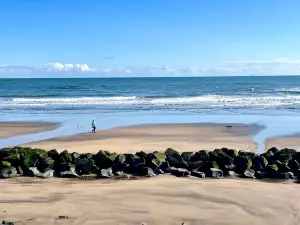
(273, 102)
(138, 94)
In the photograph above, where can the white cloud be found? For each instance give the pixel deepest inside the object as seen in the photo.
(59, 67)
(281, 66)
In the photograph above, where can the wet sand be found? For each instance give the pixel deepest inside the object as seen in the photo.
(182, 137)
(10, 129)
(163, 200)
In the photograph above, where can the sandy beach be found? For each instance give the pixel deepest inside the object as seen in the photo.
(183, 137)
(292, 142)
(10, 129)
(161, 200)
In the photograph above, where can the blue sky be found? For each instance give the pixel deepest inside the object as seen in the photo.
(149, 37)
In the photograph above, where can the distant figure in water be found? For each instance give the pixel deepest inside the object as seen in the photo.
(93, 126)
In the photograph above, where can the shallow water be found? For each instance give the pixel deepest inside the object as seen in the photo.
(267, 101)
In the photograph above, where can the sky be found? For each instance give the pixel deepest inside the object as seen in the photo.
(101, 38)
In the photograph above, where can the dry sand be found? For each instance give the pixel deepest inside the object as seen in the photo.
(164, 200)
(183, 137)
(10, 129)
(284, 142)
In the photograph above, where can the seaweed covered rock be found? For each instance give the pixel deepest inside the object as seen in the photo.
(11, 155)
(242, 163)
(270, 169)
(85, 166)
(103, 160)
(202, 155)
(65, 157)
(155, 160)
(294, 165)
(224, 161)
(175, 159)
(187, 156)
(208, 165)
(8, 172)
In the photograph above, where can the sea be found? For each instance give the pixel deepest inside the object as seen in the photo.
(273, 102)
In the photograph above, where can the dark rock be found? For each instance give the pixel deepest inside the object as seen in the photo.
(85, 166)
(294, 165)
(290, 175)
(202, 155)
(186, 156)
(103, 160)
(106, 173)
(175, 160)
(272, 168)
(260, 160)
(170, 151)
(249, 173)
(159, 171)
(279, 175)
(4, 164)
(224, 161)
(7, 222)
(260, 175)
(207, 165)
(53, 154)
(65, 157)
(75, 155)
(68, 173)
(166, 167)
(180, 172)
(144, 171)
(250, 155)
(32, 172)
(8, 172)
(199, 174)
(141, 154)
(257, 167)
(155, 161)
(242, 163)
(215, 173)
(231, 152)
(194, 165)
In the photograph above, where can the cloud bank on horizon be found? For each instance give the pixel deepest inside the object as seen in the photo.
(281, 66)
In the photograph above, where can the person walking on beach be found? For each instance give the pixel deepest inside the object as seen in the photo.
(93, 126)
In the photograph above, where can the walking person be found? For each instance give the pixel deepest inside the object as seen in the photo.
(93, 126)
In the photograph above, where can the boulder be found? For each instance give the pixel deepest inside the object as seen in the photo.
(103, 160)
(32, 172)
(259, 159)
(260, 174)
(199, 174)
(170, 151)
(186, 156)
(175, 160)
(193, 165)
(144, 171)
(105, 173)
(250, 155)
(85, 166)
(249, 174)
(69, 173)
(272, 168)
(207, 165)
(242, 163)
(159, 171)
(10, 155)
(8, 172)
(279, 175)
(53, 154)
(231, 152)
(65, 157)
(202, 155)
(180, 172)
(141, 154)
(215, 173)
(4, 164)
(166, 167)
(294, 165)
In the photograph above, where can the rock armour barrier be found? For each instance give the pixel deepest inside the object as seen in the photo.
(273, 164)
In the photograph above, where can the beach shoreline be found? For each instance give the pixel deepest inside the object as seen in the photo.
(12, 129)
(183, 137)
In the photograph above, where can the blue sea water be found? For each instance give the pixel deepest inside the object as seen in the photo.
(270, 101)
